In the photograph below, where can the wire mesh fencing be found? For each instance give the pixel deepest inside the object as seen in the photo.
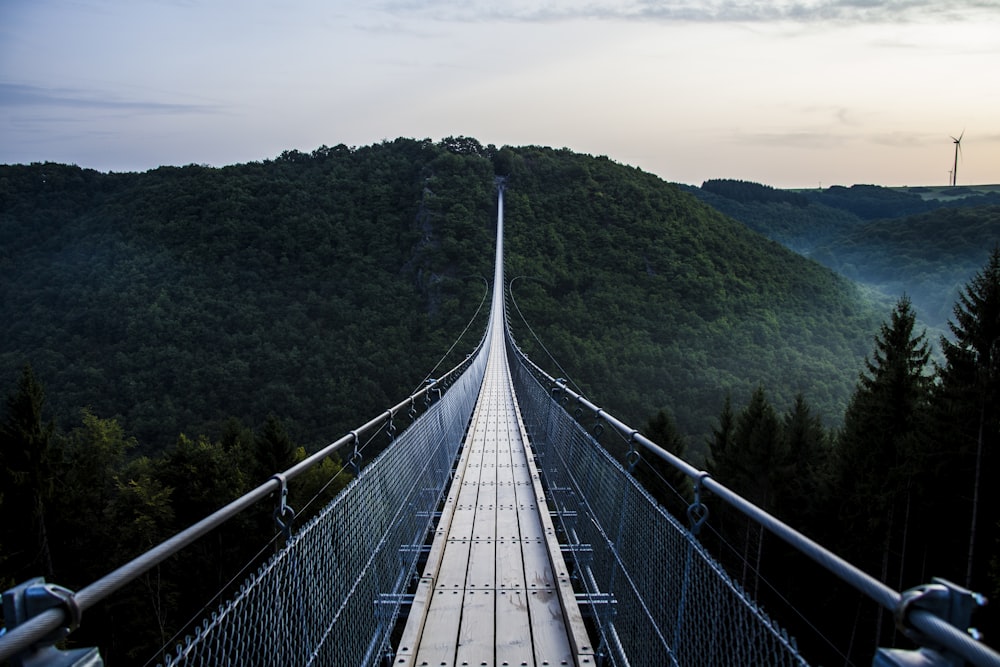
(333, 594)
(658, 597)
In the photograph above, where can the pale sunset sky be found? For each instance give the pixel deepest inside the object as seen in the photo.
(790, 93)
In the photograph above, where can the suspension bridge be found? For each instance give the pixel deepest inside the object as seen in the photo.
(494, 530)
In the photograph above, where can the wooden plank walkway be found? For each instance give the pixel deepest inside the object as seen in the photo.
(495, 590)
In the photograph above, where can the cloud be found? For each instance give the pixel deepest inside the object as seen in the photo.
(714, 11)
(13, 95)
(904, 139)
(810, 140)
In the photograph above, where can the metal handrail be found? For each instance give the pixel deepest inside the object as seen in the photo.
(31, 632)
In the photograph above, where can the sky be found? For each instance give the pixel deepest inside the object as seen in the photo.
(790, 93)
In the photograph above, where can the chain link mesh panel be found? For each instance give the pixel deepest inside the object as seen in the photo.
(332, 595)
(672, 604)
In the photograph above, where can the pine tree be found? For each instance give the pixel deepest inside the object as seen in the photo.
(881, 447)
(273, 449)
(808, 448)
(970, 400)
(719, 443)
(667, 484)
(759, 459)
(25, 473)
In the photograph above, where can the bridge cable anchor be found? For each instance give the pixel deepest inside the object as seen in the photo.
(697, 511)
(947, 601)
(430, 382)
(632, 456)
(598, 427)
(284, 515)
(390, 427)
(355, 460)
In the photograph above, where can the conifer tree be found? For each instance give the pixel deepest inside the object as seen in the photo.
(719, 443)
(274, 450)
(881, 445)
(970, 403)
(25, 473)
(808, 448)
(759, 459)
(654, 473)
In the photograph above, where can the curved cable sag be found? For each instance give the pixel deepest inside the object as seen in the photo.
(486, 293)
(510, 292)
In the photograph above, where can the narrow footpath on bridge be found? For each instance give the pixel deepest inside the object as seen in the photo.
(495, 589)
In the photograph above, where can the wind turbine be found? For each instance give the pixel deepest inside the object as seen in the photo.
(958, 147)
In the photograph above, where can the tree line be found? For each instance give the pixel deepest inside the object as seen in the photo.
(905, 489)
(75, 504)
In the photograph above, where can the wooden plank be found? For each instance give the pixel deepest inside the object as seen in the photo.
(513, 629)
(548, 630)
(481, 574)
(476, 635)
(437, 642)
(509, 565)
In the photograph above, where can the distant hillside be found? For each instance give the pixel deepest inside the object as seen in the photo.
(922, 241)
(652, 300)
(928, 257)
(791, 218)
(320, 287)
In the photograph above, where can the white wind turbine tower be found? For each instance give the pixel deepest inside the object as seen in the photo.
(958, 148)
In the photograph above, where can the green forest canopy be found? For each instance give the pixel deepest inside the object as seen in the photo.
(322, 287)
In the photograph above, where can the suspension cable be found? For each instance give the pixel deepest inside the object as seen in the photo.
(486, 293)
(510, 291)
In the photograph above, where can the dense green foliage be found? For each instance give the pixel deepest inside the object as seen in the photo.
(873, 202)
(77, 503)
(747, 192)
(650, 300)
(795, 226)
(323, 287)
(318, 287)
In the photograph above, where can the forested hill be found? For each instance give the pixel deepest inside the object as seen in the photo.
(322, 287)
(923, 242)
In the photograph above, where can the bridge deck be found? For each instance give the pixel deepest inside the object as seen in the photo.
(495, 589)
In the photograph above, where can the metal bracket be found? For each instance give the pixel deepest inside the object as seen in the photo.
(390, 427)
(27, 600)
(355, 461)
(944, 599)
